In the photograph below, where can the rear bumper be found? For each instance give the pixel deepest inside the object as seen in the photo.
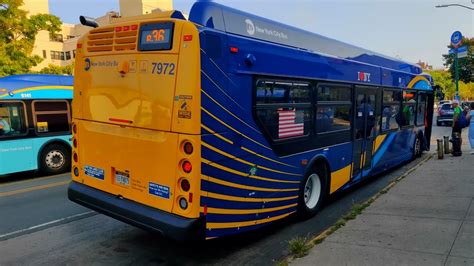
(444, 118)
(148, 218)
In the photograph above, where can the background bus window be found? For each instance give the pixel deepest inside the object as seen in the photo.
(409, 105)
(391, 116)
(51, 117)
(12, 119)
(333, 110)
(283, 109)
(421, 110)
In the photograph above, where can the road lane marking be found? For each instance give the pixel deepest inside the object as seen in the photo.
(39, 226)
(24, 190)
(31, 180)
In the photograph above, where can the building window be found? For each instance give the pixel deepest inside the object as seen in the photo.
(55, 55)
(333, 109)
(12, 119)
(68, 55)
(44, 53)
(51, 116)
(284, 109)
(56, 37)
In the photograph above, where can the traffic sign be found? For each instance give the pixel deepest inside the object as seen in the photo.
(462, 49)
(456, 39)
(462, 54)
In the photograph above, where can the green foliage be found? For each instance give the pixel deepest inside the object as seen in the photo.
(17, 36)
(59, 70)
(466, 64)
(299, 247)
(445, 81)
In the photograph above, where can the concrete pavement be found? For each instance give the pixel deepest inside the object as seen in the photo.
(425, 219)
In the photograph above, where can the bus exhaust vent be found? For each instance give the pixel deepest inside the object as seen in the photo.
(120, 38)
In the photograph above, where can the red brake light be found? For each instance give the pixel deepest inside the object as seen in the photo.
(134, 27)
(126, 28)
(187, 167)
(75, 157)
(74, 143)
(188, 38)
(234, 50)
(118, 29)
(79, 46)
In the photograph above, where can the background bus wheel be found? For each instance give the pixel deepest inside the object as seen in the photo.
(55, 159)
(417, 151)
(312, 193)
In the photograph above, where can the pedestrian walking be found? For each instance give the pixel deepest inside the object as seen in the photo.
(470, 117)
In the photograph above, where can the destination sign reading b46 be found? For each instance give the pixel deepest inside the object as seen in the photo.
(156, 36)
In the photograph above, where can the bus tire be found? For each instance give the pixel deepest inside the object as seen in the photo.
(312, 192)
(417, 147)
(55, 159)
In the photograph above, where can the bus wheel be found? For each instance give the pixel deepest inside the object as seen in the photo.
(417, 148)
(312, 194)
(55, 159)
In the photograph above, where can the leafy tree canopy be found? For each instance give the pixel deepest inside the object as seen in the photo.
(466, 64)
(59, 70)
(17, 36)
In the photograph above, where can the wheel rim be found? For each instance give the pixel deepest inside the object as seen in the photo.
(312, 191)
(55, 159)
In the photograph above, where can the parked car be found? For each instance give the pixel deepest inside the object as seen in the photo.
(438, 106)
(445, 114)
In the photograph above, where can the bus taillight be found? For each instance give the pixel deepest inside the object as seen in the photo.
(74, 143)
(74, 128)
(188, 148)
(74, 156)
(187, 167)
(185, 185)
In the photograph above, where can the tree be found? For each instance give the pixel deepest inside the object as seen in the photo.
(465, 65)
(17, 36)
(59, 70)
(443, 79)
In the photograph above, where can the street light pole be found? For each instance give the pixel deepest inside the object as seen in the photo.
(438, 6)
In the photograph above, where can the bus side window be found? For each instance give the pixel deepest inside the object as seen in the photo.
(391, 117)
(51, 117)
(12, 119)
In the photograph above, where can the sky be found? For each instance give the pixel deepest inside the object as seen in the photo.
(412, 30)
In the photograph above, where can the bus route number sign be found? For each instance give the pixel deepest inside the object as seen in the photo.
(156, 36)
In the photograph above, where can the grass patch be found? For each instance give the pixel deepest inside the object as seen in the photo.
(282, 263)
(299, 247)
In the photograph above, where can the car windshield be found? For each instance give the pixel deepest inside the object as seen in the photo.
(447, 107)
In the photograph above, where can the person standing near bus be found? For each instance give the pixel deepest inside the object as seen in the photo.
(470, 117)
(457, 128)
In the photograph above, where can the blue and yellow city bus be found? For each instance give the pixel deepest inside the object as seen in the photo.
(227, 122)
(35, 118)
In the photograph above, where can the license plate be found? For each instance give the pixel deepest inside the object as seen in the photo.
(122, 178)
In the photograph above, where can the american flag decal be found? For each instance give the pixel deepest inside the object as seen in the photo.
(290, 124)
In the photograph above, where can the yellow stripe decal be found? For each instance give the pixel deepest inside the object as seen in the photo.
(230, 170)
(243, 161)
(217, 134)
(234, 198)
(247, 223)
(378, 142)
(340, 177)
(231, 128)
(230, 184)
(236, 117)
(254, 211)
(415, 80)
(266, 158)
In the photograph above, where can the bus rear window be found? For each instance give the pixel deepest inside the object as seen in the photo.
(156, 36)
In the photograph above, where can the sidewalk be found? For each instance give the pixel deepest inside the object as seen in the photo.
(425, 219)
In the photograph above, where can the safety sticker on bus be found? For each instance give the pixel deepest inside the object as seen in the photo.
(159, 190)
(94, 172)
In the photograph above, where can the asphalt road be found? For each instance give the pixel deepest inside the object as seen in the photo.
(40, 226)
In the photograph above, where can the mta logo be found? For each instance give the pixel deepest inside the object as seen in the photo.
(363, 76)
(250, 27)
